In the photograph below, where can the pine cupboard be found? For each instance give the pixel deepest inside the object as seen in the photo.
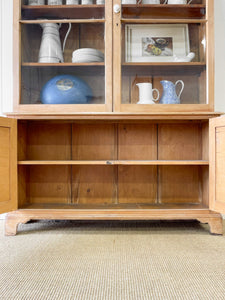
(112, 158)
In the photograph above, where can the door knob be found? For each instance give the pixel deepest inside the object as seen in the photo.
(116, 8)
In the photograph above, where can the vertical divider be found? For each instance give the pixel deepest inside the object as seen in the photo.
(116, 153)
(158, 172)
(71, 167)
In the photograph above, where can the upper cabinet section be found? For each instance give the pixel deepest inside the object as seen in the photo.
(165, 61)
(64, 59)
(127, 56)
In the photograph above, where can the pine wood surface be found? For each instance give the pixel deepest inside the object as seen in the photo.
(114, 159)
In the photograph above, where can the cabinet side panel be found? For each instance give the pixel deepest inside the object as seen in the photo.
(220, 164)
(137, 184)
(4, 164)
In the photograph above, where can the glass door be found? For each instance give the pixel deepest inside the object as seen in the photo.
(65, 56)
(163, 56)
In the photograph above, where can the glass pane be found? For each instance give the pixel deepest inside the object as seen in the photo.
(165, 9)
(62, 9)
(161, 55)
(51, 76)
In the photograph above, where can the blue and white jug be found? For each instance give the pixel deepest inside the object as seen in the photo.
(169, 95)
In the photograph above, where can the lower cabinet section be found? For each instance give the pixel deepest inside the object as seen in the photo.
(113, 170)
(112, 185)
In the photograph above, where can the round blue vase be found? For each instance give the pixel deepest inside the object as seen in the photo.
(66, 89)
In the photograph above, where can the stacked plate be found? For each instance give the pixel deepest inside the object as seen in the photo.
(87, 55)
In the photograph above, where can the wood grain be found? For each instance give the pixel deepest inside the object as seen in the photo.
(137, 184)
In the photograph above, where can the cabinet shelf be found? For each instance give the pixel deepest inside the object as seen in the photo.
(162, 21)
(196, 11)
(163, 67)
(58, 65)
(117, 207)
(117, 162)
(63, 11)
(79, 21)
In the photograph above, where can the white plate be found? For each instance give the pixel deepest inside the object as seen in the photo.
(89, 51)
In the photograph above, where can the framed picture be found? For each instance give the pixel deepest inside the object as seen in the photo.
(156, 42)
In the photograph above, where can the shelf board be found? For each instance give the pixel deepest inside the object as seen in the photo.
(117, 162)
(63, 11)
(162, 21)
(116, 207)
(63, 21)
(41, 65)
(164, 64)
(157, 68)
(145, 11)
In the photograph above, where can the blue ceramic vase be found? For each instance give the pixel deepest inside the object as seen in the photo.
(66, 89)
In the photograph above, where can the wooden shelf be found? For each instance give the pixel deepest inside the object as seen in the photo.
(164, 67)
(42, 65)
(63, 11)
(117, 207)
(194, 11)
(162, 21)
(79, 21)
(117, 162)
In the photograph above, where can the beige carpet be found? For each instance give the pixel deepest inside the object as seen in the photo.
(107, 260)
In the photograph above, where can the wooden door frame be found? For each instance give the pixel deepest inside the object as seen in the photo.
(12, 202)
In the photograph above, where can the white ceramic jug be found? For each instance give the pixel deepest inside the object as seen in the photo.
(146, 93)
(51, 50)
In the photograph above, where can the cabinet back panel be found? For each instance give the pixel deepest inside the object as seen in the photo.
(137, 141)
(180, 184)
(179, 142)
(33, 80)
(93, 185)
(137, 184)
(49, 184)
(93, 142)
(48, 141)
(4, 164)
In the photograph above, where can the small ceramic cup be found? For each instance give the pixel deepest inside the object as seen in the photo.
(152, 1)
(72, 2)
(86, 2)
(129, 2)
(36, 2)
(179, 1)
(54, 2)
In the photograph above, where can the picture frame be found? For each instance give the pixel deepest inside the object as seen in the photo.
(156, 42)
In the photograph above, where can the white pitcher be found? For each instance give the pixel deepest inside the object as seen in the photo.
(146, 93)
(51, 50)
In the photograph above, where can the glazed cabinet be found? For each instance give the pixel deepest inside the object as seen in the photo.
(113, 47)
(113, 114)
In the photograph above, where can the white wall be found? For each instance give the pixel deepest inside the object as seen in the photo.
(6, 42)
(6, 46)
